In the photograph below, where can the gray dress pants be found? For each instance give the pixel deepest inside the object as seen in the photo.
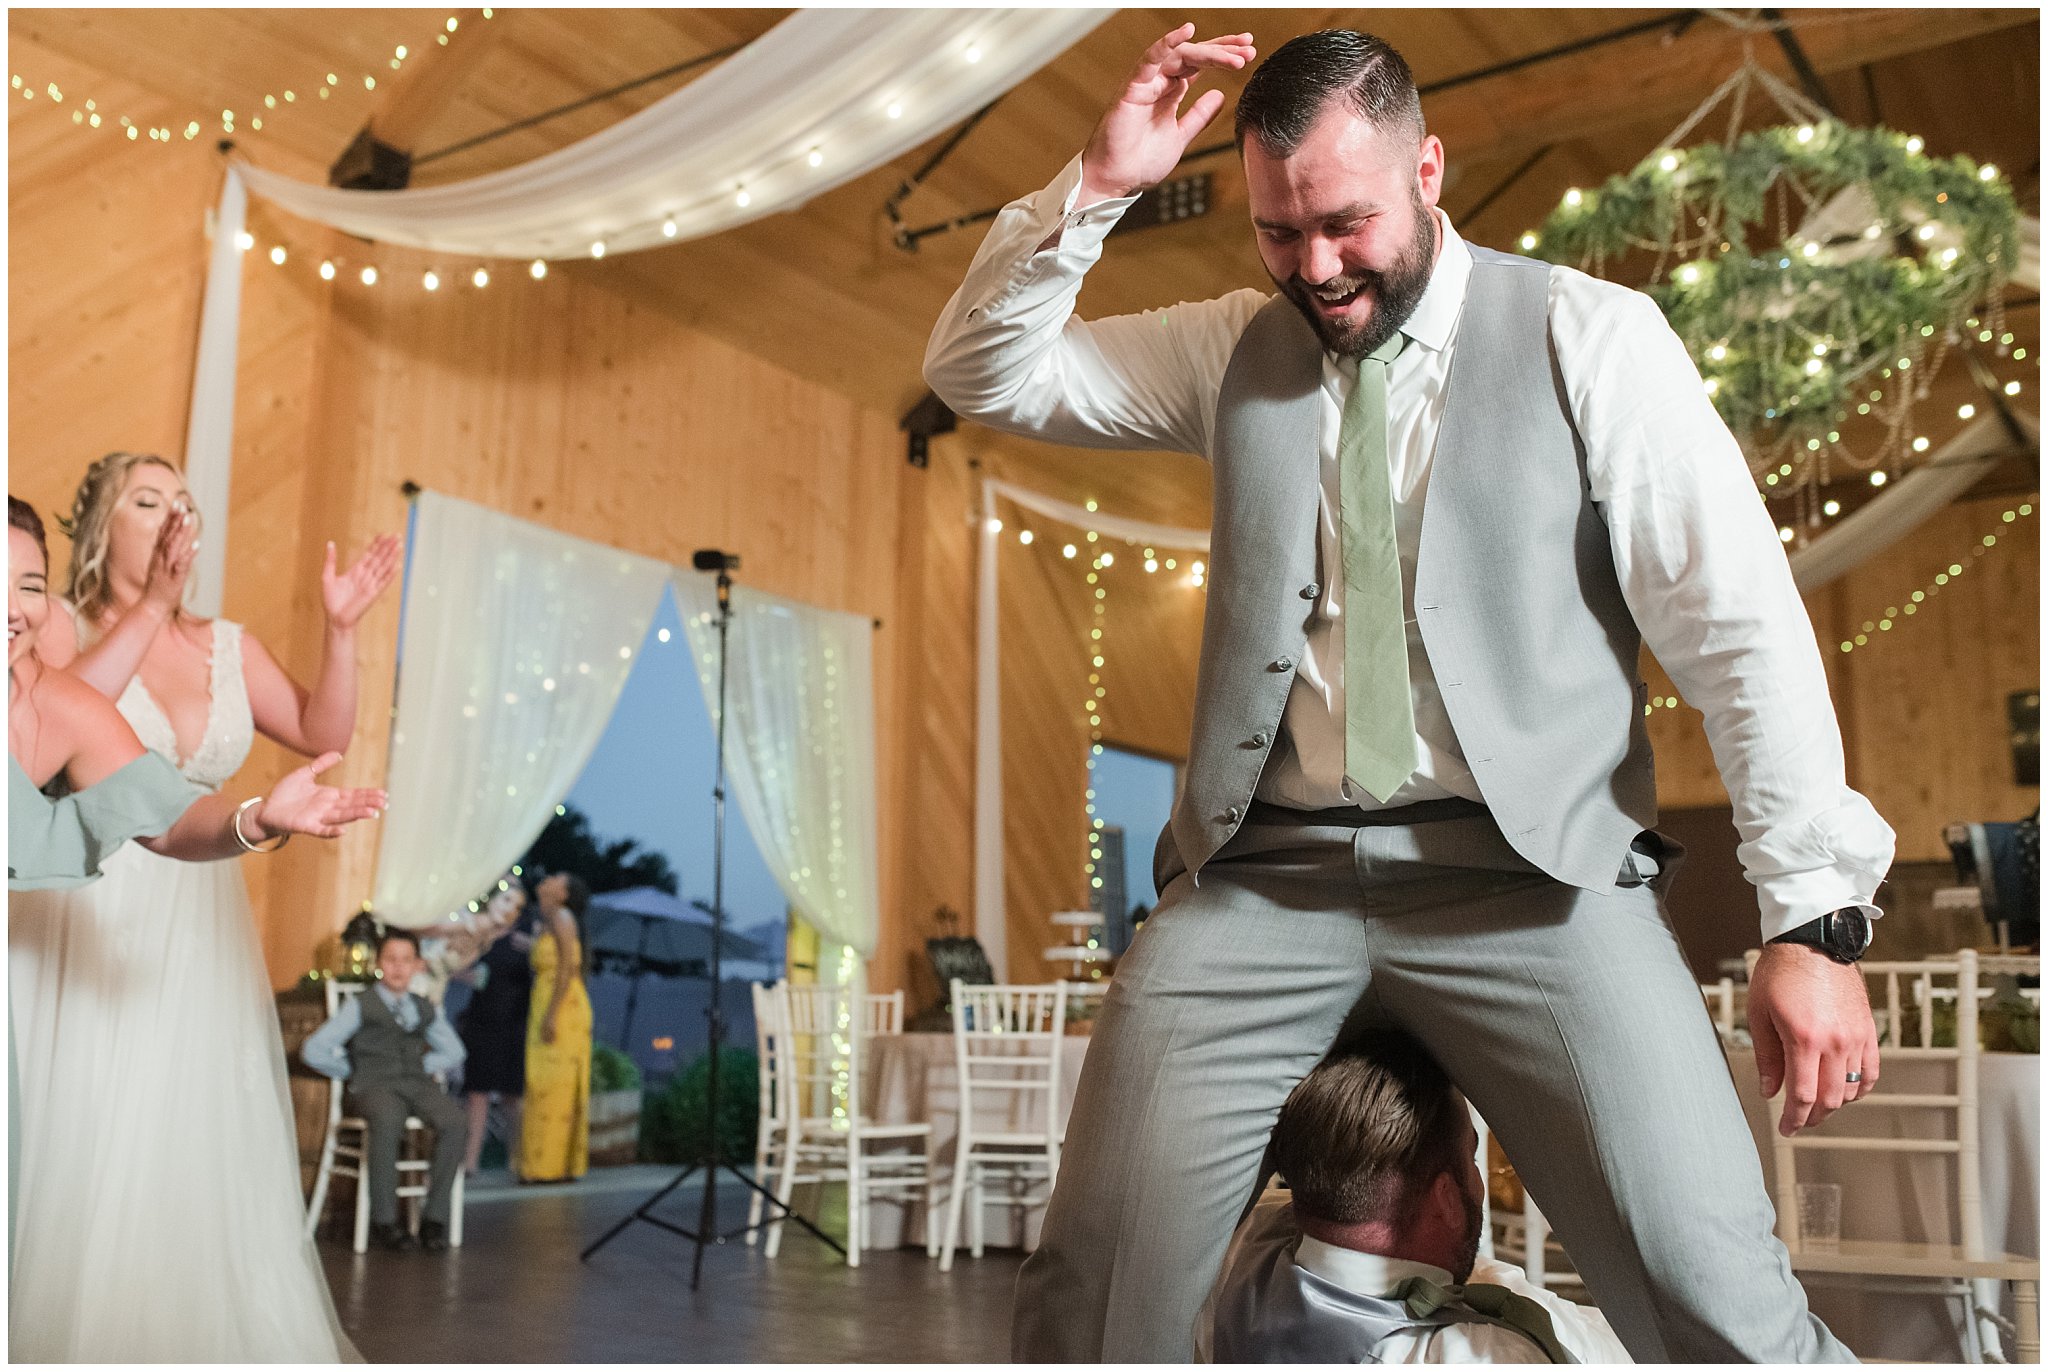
(1569, 1019)
(384, 1107)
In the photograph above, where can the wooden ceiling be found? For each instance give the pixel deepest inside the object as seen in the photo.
(824, 291)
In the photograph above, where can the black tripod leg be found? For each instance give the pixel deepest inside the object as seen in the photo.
(788, 1213)
(639, 1213)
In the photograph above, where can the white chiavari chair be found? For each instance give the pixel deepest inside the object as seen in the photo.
(1006, 1044)
(826, 1060)
(1905, 1001)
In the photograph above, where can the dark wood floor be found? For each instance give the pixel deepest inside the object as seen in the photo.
(515, 1292)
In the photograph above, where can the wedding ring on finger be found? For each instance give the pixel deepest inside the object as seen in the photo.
(1855, 1077)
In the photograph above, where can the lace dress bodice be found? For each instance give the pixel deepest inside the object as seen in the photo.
(230, 727)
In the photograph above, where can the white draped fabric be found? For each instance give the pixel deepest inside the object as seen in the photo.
(989, 900)
(823, 81)
(516, 643)
(800, 750)
(210, 424)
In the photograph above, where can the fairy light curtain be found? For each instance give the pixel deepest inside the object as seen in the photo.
(800, 752)
(517, 642)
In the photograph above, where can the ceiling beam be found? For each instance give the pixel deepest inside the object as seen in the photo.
(380, 156)
(1577, 96)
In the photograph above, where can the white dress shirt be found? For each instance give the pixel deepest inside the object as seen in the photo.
(1582, 1329)
(1699, 562)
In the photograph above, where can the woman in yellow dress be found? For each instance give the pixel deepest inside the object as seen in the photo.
(554, 1136)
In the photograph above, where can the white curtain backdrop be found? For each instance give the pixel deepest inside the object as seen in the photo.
(990, 918)
(210, 425)
(517, 641)
(800, 751)
(823, 80)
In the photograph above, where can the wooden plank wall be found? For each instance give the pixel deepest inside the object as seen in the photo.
(1923, 705)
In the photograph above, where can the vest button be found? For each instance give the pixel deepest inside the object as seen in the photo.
(1232, 815)
(1258, 740)
(1311, 591)
(1284, 664)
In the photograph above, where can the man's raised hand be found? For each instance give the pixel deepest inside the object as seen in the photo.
(1142, 136)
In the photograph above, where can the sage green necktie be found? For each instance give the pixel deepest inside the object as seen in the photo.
(1379, 718)
(1516, 1311)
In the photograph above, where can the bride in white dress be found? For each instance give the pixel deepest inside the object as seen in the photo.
(161, 1217)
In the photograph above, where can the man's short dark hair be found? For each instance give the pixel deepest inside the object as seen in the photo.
(398, 936)
(1363, 1135)
(1291, 89)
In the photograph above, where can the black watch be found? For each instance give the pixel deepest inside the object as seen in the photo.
(1843, 935)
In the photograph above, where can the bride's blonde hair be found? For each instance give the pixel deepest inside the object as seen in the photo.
(92, 513)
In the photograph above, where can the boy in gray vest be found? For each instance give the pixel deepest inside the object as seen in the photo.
(1372, 1253)
(389, 1045)
(1455, 493)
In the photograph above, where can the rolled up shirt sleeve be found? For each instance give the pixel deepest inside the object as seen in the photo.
(1008, 351)
(1706, 577)
(326, 1048)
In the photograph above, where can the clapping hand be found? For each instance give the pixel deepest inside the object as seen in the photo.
(170, 561)
(348, 595)
(299, 804)
(1140, 140)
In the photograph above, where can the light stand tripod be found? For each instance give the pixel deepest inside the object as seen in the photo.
(709, 560)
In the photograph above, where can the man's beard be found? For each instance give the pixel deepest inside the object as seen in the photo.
(1395, 292)
(1468, 1246)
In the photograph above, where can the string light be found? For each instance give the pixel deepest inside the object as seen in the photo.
(1918, 600)
(538, 270)
(163, 134)
(369, 276)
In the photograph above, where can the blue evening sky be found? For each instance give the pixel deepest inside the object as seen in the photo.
(1136, 792)
(650, 779)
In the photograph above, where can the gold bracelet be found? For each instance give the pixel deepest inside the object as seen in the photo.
(242, 809)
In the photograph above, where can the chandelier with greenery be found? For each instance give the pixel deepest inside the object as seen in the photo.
(1819, 274)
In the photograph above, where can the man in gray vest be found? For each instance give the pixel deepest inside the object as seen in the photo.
(1372, 1253)
(1454, 493)
(388, 1045)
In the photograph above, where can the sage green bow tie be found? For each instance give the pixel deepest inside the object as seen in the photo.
(1424, 1297)
(1379, 717)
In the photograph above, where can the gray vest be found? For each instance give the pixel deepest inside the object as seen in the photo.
(381, 1053)
(1516, 593)
(1266, 1308)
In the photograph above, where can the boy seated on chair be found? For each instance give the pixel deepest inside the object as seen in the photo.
(389, 1045)
(1372, 1255)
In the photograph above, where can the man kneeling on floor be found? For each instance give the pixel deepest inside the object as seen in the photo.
(1371, 1254)
(388, 1045)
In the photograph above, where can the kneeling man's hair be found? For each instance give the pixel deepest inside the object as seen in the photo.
(1362, 1136)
